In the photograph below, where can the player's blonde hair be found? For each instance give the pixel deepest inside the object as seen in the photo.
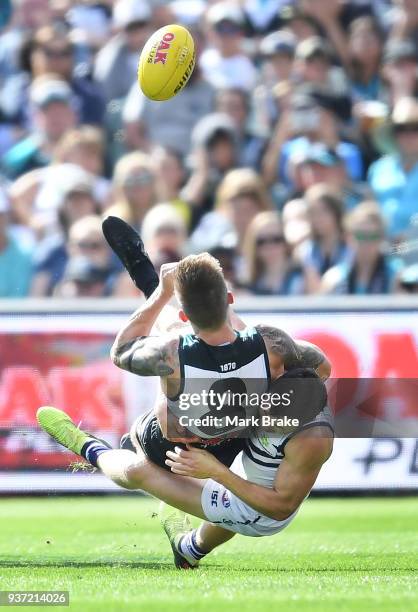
(200, 285)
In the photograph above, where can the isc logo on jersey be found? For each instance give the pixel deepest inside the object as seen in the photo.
(166, 63)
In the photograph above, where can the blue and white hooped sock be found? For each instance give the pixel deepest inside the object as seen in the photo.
(92, 449)
(189, 547)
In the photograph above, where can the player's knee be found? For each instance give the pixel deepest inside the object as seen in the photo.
(135, 475)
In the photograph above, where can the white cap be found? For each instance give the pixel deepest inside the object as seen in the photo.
(225, 11)
(129, 11)
(188, 13)
(45, 90)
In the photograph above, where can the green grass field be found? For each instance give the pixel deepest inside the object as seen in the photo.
(339, 554)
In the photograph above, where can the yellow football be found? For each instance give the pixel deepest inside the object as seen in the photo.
(167, 62)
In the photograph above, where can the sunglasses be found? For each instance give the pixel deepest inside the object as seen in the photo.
(58, 53)
(407, 127)
(138, 180)
(90, 245)
(227, 28)
(263, 240)
(367, 236)
(168, 229)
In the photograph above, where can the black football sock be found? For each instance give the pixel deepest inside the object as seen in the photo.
(128, 246)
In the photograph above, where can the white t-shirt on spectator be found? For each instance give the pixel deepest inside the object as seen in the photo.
(223, 72)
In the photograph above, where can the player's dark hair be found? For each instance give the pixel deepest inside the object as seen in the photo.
(307, 391)
(202, 291)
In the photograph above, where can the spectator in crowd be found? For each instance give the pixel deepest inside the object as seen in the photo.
(313, 65)
(135, 188)
(404, 21)
(365, 47)
(296, 225)
(298, 21)
(370, 270)
(400, 70)
(311, 118)
(117, 62)
(235, 103)
(293, 104)
(15, 262)
(277, 52)
(37, 195)
(75, 200)
(100, 270)
(224, 64)
(169, 123)
(85, 147)
(171, 176)
(82, 279)
(226, 253)
(326, 247)
(320, 164)
(214, 153)
(164, 234)
(240, 196)
(54, 115)
(50, 51)
(27, 16)
(394, 178)
(270, 268)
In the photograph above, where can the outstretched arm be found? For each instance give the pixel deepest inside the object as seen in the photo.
(134, 350)
(306, 452)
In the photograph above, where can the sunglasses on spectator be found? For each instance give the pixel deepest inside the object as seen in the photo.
(57, 53)
(263, 240)
(136, 25)
(168, 229)
(227, 28)
(138, 180)
(367, 236)
(90, 245)
(406, 127)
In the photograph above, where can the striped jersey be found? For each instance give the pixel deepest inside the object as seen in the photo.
(263, 454)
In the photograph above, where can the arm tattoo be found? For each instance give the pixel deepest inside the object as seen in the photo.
(310, 356)
(147, 357)
(280, 344)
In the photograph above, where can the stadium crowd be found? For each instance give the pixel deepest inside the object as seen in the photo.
(291, 155)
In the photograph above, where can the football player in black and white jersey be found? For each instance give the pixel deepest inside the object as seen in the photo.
(230, 500)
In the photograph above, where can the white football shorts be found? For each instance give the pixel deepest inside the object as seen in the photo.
(223, 508)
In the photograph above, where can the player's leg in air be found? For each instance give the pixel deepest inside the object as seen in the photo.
(132, 471)
(146, 435)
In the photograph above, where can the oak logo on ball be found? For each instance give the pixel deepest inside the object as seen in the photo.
(164, 46)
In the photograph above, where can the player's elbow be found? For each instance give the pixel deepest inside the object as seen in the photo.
(324, 370)
(285, 507)
(114, 354)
